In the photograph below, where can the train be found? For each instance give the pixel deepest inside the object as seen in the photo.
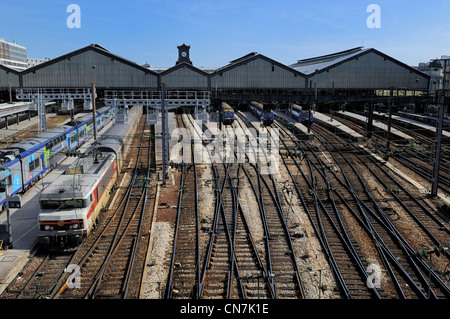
(227, 114)
(301, 116)
(266, 117)
(24, 163)
(70, 206)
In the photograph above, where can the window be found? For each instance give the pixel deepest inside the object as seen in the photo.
(61, 204)
(34, 164)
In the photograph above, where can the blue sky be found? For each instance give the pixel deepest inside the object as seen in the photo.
(222, 30)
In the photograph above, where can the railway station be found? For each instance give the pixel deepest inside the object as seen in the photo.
(322, 179)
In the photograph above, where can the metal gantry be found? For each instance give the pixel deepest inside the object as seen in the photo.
(40, 97)
(156, 102)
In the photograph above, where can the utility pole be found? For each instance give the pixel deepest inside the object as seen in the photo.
(369, 127)
(163, 133)
(94, 111)
(390, 120)
(310, 105)
(439, 124)
(10, 94)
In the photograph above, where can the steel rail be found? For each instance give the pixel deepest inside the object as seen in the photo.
(220, 208)
(401, 241)
(366, 224)
(277, 202)
(262, 211)
(343, 237)
(175, 236)
(177, 224)
(136, 241)
(386, 225)
(116, 240)
(323, 240)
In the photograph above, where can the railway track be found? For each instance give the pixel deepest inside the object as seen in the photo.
(417, 159)
(232, 265)
(231, 256)
(184, 268)
(326, 214)
(410, 275)
(283, 275)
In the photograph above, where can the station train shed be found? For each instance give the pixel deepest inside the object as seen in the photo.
(360, 75)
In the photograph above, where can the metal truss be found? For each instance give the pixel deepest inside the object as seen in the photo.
(41, 96)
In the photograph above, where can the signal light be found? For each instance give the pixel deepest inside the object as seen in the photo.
(73, 154)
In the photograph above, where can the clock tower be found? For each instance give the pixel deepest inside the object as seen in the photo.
(183, 54)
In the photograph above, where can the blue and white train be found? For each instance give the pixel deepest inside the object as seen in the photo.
(301, 116)
(24, 163)
(227, 114)
(265, 116)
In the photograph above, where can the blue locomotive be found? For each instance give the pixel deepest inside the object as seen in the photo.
(24, 163)
(267, 117)
(227, 114)
(301, 116)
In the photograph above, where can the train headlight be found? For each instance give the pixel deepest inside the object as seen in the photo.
(75, 226)
(47, 227)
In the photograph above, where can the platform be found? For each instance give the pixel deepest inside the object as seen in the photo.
(300, 130)
(14, 128)
(411, 121)
(425, 118)
(8, 109)
(336, 126)
(398, 135)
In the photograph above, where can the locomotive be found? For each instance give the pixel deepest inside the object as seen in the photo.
(301, 116)
(70, 205)
(267, 117)
(227, 114)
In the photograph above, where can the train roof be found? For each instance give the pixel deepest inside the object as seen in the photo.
(103, 109)
(256, 104)
(69, 186)
(31, 142)
(226, 106)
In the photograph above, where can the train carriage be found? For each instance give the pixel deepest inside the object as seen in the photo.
(23, 163)
(266, 117)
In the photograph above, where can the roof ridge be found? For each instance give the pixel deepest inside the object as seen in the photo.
(332, 55)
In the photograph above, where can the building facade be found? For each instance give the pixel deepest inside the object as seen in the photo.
(13, 56)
